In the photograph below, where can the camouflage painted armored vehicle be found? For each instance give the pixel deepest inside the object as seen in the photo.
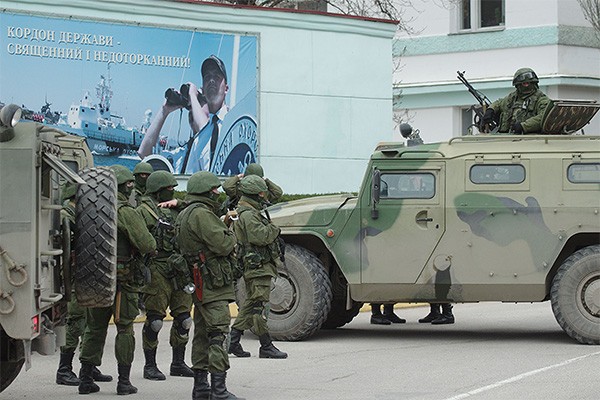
(35, 245)
(477, 218)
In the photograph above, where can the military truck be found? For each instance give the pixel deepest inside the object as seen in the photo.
(474, 219)
(36, 254)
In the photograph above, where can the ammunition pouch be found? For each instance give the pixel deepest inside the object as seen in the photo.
(217, 272)
(178, 271)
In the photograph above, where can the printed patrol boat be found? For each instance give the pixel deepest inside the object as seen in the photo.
(106, 133)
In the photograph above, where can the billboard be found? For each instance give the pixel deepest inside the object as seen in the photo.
(183, 97)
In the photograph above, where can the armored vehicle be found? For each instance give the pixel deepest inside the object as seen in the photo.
(36, 254)
(477, 218)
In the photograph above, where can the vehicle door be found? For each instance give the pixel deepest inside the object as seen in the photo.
(403, 220)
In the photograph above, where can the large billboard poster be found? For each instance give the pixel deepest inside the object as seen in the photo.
(183, 96)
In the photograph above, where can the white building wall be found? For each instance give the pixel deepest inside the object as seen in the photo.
(550, 36)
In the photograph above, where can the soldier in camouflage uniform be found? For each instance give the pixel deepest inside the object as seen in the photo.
(141, 172)
(522, 110)
(230, 186)
(208, 246)
(162, 292)
(75, 312)
(133, 241)
(258, 251)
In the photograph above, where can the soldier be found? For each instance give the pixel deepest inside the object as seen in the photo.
(133, 241)
(230, 186)
(75, 312)
(522, 110)
(162, 291)
(258, 250)
(141, 172)
(208, 246)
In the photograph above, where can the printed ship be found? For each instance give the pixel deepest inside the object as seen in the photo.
(106, 133)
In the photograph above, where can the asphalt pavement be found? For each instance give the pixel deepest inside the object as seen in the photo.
(494, 351)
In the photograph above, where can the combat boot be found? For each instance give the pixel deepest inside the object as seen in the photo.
(86, 379)
(65, 374)
(235, 346)
(218, 390)
(201, 390)
(446, 318)
(267, 349)
(433, 314)
(178, 365)
(99, 376)
(151, 370)
(388, 313)
(124, 385)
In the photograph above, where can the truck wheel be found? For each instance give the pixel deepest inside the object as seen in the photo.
(12, 357)
(339, 316)
(301, 297)
(574, 294)
(96, 238)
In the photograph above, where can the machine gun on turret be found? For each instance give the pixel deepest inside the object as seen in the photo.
(479, 111)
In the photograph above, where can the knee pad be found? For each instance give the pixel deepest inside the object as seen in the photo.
(152, 326)
(183, 322)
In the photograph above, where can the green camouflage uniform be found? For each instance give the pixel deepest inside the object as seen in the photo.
(75, 312)
(526, 109)
(258, 250)
(133, 240)
(230, 186)
(200, 230)
(161, 293)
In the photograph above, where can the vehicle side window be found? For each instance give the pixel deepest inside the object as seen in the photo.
(407, 186)
(584, 173)
(497, 174)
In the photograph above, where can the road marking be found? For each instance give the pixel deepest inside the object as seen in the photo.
(519, 377)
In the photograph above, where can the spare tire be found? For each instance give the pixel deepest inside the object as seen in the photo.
(96, 238)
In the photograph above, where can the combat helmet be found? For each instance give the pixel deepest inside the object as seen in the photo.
(254, 169)
(524, 75)
(252, 184)
(143, 168)
(159, 180)
(202, 182)
(122, 173)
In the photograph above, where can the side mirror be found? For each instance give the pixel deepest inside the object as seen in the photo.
(375, 187)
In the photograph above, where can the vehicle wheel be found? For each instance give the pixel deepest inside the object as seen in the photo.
(301, 297)
(12, 357)
(575, 295)
(96, 238)
(339, 315)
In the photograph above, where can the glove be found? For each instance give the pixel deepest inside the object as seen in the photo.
(488, 117)
(517, 128)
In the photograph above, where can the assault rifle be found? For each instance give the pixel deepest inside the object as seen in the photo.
(479, 111)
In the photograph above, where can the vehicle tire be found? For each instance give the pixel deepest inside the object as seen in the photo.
(339, 315)
(96, 238)
(574, 295)
(12, 357)
(301, 297)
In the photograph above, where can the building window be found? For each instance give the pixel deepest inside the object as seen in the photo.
(478, 14)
